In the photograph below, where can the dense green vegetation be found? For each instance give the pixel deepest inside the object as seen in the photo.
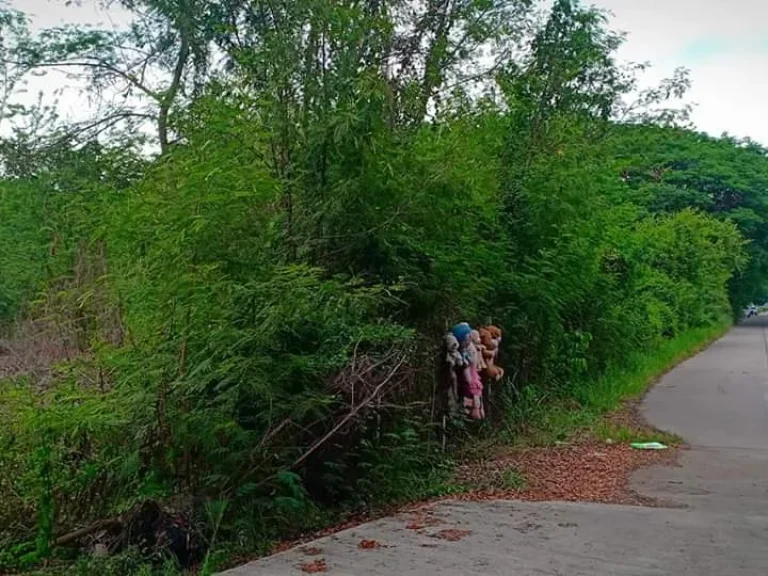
(244, 324)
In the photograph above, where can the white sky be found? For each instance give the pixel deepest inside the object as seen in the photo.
(724, 43)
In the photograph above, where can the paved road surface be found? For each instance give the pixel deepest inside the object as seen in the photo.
(717, 401)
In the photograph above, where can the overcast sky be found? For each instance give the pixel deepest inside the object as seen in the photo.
(724, 43)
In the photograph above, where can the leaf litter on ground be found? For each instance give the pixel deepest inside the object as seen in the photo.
(314, 567)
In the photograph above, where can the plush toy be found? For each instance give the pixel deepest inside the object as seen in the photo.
(454, 361)
(453, 356)
(495, 333)
(490, 349)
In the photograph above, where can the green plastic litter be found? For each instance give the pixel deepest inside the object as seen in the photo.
(648, 446)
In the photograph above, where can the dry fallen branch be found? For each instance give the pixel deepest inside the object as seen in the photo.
(81, 532)
(351, 414)
(272, 433)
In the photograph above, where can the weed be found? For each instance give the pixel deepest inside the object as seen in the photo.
(513, 479)
(536, 421)
(607, 431)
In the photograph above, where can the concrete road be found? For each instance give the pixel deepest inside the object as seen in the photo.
(716, 523)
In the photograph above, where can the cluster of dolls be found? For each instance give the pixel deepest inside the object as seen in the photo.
(470, 358)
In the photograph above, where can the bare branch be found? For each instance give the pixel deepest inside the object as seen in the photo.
(170, 95)
(100, 125)
(100, 64)
(351, 414)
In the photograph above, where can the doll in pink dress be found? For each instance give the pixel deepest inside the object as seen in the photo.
(471, 384)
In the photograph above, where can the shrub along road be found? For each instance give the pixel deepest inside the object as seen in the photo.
(712, 514)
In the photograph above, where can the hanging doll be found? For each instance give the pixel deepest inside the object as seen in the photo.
(462, 332)
(473, 392)
(454, 361)
(480, 348)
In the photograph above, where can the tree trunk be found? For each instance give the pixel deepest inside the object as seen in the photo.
(170, 95)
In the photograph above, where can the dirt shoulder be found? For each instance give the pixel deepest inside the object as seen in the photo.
(591, 467)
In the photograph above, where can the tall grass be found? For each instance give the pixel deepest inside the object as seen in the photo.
(538, 419)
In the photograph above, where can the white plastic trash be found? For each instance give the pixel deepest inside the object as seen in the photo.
(648, 446)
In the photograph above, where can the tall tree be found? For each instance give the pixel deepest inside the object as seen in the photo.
(145, 70)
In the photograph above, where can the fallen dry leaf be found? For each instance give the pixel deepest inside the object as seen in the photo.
(414, 525)
(576, 473)
(312, 551)
(368, 545)
(314, 567)
(421, 521)
(585, 470)
(452, 534)
(351, 522)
